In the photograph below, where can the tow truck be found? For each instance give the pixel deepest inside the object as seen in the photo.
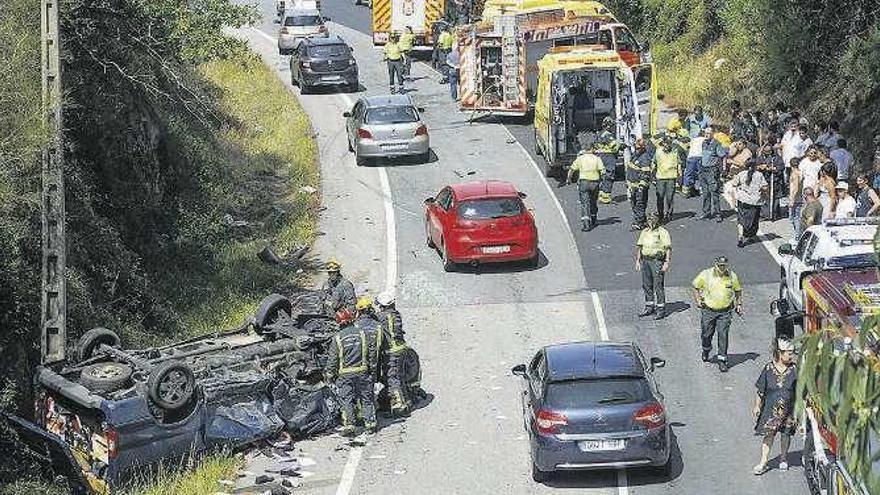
(577, 88)
(839, 379)
(499, 58)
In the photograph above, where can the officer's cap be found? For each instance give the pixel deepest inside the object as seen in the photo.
(721, 261)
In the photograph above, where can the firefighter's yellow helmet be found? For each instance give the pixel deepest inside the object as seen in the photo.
(364, 303)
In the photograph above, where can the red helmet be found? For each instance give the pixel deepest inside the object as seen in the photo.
(344, 316)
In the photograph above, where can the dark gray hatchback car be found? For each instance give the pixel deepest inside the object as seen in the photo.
(593, 405)
(323, 62)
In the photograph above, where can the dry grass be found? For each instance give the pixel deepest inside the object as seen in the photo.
(201, 478)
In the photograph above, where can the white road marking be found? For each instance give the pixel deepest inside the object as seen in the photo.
(622, 482)
(347, 480)
(600, 315)
(264, 35)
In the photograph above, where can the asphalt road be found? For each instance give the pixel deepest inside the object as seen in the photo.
(471, 327)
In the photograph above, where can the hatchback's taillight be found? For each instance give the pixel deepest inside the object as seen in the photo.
(651, 416)
(364, 134)
(547, 422)
(422, 130)
(304, 64)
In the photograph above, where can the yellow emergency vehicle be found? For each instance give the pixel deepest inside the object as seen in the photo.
(578, 87)
(576, 8)
(394, 16)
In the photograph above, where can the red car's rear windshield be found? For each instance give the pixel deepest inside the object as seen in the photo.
(481, 209)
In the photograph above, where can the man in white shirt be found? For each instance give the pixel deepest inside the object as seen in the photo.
(809, 168)
(789, 144)
(843, 159)
(692, 166)
(846, 204)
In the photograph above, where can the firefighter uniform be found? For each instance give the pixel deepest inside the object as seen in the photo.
(351, 364)
(394, 58)
(654, 247)
(638, 180)
(607, 148)
(589, 166)
(717, 292)
(337, 291)
(392, 329)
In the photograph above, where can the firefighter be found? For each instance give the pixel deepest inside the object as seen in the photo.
(638, 179)
(444, 44)
(392, 329)
(337, 292)
(406, 45)
(588, 165)
(717, 292)
(394, 59)
(350, 364)
(653, 250)
(607, 149)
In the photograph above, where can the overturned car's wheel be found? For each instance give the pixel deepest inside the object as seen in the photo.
(105, 377)
(273, 308)
(171, 385)
(410, 367)
(91, 340)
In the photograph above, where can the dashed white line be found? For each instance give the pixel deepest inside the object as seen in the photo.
(600, 315)
(347, 480)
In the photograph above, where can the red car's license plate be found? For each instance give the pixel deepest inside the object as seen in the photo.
(496, 249)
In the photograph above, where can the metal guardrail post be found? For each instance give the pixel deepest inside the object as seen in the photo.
(53, 317)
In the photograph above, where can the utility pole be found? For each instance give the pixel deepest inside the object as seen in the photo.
(53, 318)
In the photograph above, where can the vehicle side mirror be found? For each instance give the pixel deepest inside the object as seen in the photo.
(657, 362)
(785, 250)
(429, 200)
(346, 114)
(519, 370)
(645, 46)
(522, 195)
(276, 21)
(327, 19)
(420, 109)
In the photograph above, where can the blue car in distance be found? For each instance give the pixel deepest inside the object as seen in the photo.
(593, 405)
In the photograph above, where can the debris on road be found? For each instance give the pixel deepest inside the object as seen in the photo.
(307, 190)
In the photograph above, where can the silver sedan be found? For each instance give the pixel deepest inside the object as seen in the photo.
(386, 126)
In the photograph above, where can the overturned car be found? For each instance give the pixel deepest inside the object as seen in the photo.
(115, 413)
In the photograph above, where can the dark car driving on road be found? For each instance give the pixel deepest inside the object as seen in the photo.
(323, 62)
(593, 405)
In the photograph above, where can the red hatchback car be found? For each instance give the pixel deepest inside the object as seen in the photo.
(481, 222)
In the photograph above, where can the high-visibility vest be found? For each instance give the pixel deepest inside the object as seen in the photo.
(406, 41)
(392, 51)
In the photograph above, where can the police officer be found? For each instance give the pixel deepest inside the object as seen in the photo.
(351, 366)
(638, 180)
(406, 45)
(667, 170)
(653, 252)
(717, 292)
(608, 149)
(394, 59)
(337, 291)
(589, 168)
(392, 328)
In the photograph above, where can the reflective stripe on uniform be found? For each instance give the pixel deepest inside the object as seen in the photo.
(345, 370)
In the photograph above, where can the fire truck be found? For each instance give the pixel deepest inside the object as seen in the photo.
(838, 379)
(393, 16)
(499, 59)
(580, 86)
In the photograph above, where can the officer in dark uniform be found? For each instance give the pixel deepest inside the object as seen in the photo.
(338, 292)
(351, 365)
(392, 328)
(608, 149)
(638, 181)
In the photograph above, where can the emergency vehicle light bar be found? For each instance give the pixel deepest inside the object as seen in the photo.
(835, 222)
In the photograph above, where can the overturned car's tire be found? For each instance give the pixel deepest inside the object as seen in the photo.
(91, 340)
(171, 385)
(269, 310)
(105, 377)
(410, 367)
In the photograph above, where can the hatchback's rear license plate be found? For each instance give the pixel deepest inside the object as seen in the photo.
(394, 147)
(496, 249)
(599, 445)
